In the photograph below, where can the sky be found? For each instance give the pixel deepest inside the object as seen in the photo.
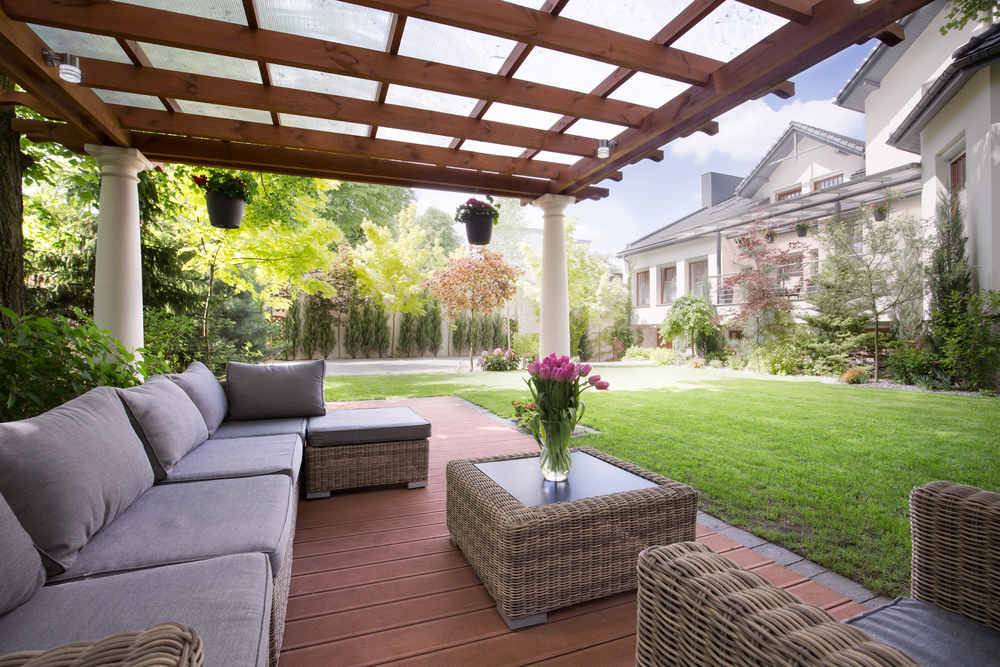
(651, 195)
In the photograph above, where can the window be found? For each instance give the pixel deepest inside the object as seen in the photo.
(788, 195)
(958, 173)
(736, 334)
(642, 288)
(668, 284)
(698, 277)
(792, 268)
(828, 182)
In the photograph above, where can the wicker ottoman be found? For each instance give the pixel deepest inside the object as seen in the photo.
(347, 449)
(539, 546)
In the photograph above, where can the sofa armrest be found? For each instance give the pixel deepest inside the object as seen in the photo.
(697, 608)
(166, 645)
(956, 536)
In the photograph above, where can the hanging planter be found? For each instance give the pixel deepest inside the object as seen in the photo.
(224, 212)
(801, 229)
(880, 210)
(226, 196)
(771, 234)
(479, 218)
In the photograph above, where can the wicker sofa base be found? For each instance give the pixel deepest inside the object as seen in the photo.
(371, 464)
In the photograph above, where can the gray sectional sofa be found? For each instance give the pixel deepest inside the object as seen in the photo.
(171, 501)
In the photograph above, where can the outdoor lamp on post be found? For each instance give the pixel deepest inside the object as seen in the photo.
(69, 65)
(605, 148)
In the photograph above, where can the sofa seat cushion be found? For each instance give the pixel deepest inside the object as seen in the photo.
(70, 471)
(931, 636)
(227, 600)
(21, 568)
(177, 523)
(275, 391)
(252, 428)
(205, 391)
(349, 427)
(241, 457)
(166, 420)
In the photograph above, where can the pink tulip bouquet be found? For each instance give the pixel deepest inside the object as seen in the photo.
(556, 384)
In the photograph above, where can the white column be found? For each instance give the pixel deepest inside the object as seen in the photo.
(554, 334)
(118, 279)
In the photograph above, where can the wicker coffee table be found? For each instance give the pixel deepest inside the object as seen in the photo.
(539, 546)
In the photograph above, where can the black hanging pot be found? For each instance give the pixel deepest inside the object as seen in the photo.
(224, 211)
(801, 231)
(479, 229)
(879, 215)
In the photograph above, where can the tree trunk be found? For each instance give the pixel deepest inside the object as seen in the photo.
(876, 346)
(472, 343)
(204, 321)
(392, 336)
(12, 165)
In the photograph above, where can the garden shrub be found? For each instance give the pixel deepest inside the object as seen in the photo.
(738, 361)
(781, 357)
(406, 342)
(972, 344)
(428, 336)
(525, 344)
(173, 338)
(318, 329)
(499, 360)
(696, 362)
(636, 353)
(719, 356)
(367, 333)
(46, 362)
(906, 360)
(661, 356)
(715, 363)
(293, 327)
(524, 412)
(854, 376)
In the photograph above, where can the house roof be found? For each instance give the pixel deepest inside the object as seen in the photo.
(503, 98)
(883, 58)
(981, 51)
(702, 219)
(787, 145)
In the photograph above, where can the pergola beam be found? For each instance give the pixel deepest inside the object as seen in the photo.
(797, 11)
(120, 20)
(214, 90)
(540, 28)
(835, 25)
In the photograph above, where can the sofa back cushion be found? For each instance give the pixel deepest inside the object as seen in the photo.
(21, 568)
(275, 391)
(70, 471)
(166, 420)
(205, 391)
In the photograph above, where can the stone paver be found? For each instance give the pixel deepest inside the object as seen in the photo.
(742, 536)
(818, 595)
(844, 586)
(778, 554)
(846, 611)
(747, 558)
(808, 568)
(874, 603)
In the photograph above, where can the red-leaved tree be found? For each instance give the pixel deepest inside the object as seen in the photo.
(479, 283)
(755, 282)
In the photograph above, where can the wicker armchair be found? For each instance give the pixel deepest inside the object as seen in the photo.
(698, 608)
(163, 645)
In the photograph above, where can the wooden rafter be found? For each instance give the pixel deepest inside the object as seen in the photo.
(138, 56)
(396, 28)
(13, 97)
(835, 25)
(215, 90)
(21, 60)
(125, 21)
(539, 28)
(798, 11)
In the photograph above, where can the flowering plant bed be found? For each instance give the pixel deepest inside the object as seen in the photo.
(499, 360)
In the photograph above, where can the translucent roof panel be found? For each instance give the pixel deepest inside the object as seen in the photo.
(328, 20)
(563, 70)
(533, 4)
(492, 149)
(206, 64)
(639, 18)
(324, 125)
(219, 111)
(430, 100)
(409, 137)
(230, 11)
(561, 158)
(729, 31)
(98, 47)
(506, 113)
(323, 82)
(454, 46)
(130, 99)
(595, 129)
(648, 90)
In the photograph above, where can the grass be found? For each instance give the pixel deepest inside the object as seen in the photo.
(823, 470)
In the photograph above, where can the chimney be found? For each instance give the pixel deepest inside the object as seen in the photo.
(717, 188)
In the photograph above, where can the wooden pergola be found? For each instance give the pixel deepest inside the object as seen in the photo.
(164, 132)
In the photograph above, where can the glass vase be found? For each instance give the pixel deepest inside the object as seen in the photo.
(556, 458)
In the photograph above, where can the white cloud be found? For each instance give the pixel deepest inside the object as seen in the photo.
(748, 131)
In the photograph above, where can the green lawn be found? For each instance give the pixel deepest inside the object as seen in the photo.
(823, 470)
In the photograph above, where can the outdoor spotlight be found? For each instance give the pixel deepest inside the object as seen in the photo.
(605, 148)
(69, 65)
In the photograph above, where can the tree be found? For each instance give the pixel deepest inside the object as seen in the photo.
(950, 272)
(688, 315)
(440, 230)
(388, 265)
(963, 11)
(756, 278)
(13, 163)
(873, 263)
(478, 283)
(349, 204)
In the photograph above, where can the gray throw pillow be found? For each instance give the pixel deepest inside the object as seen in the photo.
(168, 421)
(205, 391)
(69, 472)
(275, 391)
(21, 568)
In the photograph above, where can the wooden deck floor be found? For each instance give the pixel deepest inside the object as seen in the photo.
(377, 581)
